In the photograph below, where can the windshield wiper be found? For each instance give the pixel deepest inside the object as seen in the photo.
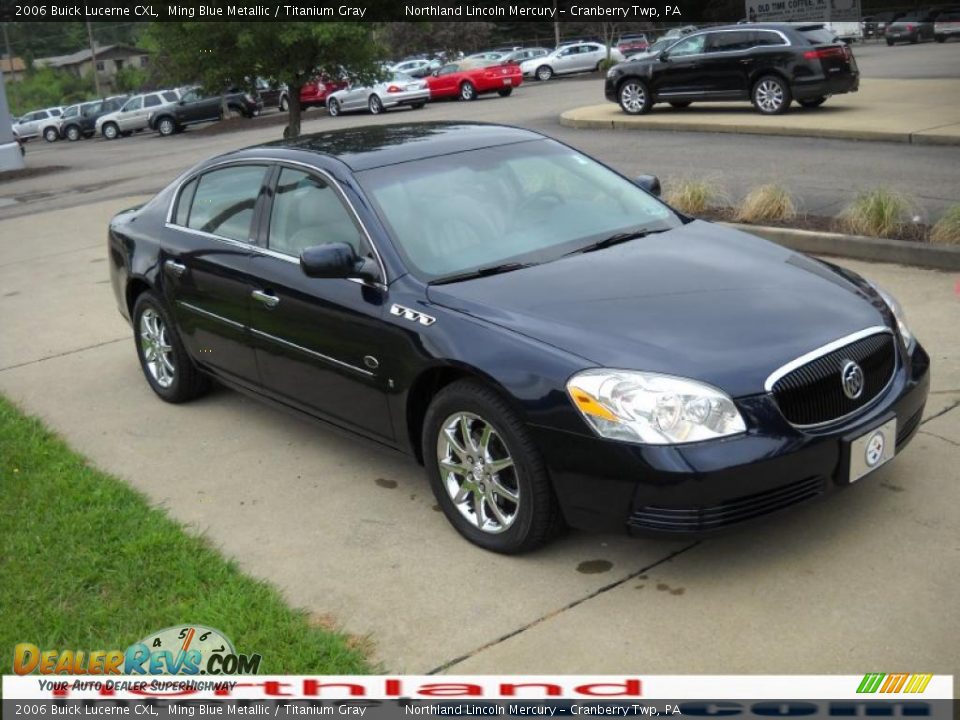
(615, 239)
(482, 272)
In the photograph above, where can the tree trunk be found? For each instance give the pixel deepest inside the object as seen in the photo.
(556, 26)
(293, 111)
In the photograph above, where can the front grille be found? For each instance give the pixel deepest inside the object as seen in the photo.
(812, 393)
(694, 519)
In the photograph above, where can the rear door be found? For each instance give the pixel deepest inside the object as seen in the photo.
(318, 341)
(727, 63)
(207, 262)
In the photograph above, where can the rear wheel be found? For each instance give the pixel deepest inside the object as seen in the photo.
(889, 42)
(634, 97)
(680, 104)
(771, 95)
(166, 126)
(813, 103)
(375, 105)
(168, 369)
(333, 107)
(73, 133)
(485, 471)
(544, 73)
(284, 104)
(505, 92)
(940, 38)
(111, 131)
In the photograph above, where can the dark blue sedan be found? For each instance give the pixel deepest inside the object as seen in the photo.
(551, 341)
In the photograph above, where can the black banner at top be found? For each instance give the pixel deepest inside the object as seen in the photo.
(653, 11)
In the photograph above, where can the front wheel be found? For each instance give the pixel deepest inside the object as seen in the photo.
(333, 107)
(168, 369)
(634, 97)
(73, 133)
(771, 95)
(111, 131)
(505, 92)
(889, 42)
(166, 127)
(813, 103)
(468, 91)
(544, 73)
(940, 38)
(485, 471)
(284, 104)
(375, 105)
(51, 134)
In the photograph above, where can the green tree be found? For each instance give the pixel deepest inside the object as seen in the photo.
(218, 54)
(44, 87)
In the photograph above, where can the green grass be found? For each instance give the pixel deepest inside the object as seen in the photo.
(947, 229)
(86, 563)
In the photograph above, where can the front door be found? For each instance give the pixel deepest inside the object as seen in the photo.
(319, 342)
(679, 71)
(207, 260)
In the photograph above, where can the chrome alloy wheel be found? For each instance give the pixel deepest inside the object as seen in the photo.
(769, 95)
(156, 348)
(633, 97)
(478, 472)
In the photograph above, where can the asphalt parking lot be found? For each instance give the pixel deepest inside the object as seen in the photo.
(866, 579)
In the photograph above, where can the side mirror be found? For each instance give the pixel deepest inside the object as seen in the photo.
(336, 260)
(650, 183)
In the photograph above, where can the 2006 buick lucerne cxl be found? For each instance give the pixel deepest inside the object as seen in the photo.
(550, 340)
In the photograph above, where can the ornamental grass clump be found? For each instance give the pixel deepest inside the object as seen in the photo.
(767, 203)
(947, 229)
(879, 212)
(693, 197)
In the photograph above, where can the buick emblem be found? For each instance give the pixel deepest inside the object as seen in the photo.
(851, 379)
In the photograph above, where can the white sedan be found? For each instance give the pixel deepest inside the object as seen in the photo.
(581, 57)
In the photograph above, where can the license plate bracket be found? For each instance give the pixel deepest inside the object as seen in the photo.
(870, 450)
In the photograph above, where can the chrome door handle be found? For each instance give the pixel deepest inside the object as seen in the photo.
(268, 299)
(747, 61)
(176, 268)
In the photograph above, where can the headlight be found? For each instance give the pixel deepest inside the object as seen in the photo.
(613, 71)
(899, 315)
(651, 408)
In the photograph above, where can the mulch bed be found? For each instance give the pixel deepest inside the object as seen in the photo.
(916, 232)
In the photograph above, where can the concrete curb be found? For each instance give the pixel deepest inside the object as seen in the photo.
(567, 119)
(904, 252)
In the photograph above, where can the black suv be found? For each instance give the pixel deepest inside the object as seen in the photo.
(197, 107)
(80, 121)
(769, 64)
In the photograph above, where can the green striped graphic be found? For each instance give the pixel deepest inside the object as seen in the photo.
(870, 682)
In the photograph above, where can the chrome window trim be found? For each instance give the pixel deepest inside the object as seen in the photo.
(212, 316)
(267, 251)
(822, 350)
(311, 353)
(786, 41)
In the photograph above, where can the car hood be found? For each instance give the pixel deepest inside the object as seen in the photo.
(700, 301)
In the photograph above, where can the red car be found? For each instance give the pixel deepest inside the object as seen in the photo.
(466, 81)
(314, 93)
(630, 44)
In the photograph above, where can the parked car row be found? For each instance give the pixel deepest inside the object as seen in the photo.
(895, 27)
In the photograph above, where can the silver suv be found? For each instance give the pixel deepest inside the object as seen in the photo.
(39, 123)
(134, 116)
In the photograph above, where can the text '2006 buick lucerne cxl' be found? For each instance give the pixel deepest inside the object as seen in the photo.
(550, 340)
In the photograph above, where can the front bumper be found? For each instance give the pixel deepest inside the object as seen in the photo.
(695, 489)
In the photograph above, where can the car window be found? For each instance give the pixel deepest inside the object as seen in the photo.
(41, 115)
(54, 113)
(71, 111)
(191, 96)
(766, 38)
(729, 41)
(151, 101)
(169, 96)
(818, 36)
(690, 46)
(447, 69)
(91, 108)
(307, 212)
(529, 201)
(133, 104)
(224, 199)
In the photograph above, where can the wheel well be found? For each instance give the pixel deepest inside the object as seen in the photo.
(135, 288)
(422, 392)
(757, 76)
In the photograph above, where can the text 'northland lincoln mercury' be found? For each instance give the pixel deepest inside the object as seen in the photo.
(553, 342)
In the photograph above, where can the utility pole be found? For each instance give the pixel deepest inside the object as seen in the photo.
(93, 59)
(6, 42)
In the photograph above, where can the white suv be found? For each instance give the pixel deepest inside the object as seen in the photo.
(134, 116)
(39, 123)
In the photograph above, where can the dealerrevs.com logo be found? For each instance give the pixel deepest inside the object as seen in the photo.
(178, 650)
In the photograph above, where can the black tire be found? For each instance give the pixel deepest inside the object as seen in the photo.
(166, 126)
(418, 105)
(375, 105)
(73, 133)
(333, 107)
(468, 91)
(111, 131)
(537, 516)
(634, 97)
(506, 92)
(680, 104)
(51, 134)
(187, 381)
(940, 38)
(771, 95)
(889, 42)
(543, 73)
(813, 103)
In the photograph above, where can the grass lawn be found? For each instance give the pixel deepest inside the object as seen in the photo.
(87, 564)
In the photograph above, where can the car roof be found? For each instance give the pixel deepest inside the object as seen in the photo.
(367, 147)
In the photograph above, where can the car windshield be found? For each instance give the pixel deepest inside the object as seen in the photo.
(527, 202)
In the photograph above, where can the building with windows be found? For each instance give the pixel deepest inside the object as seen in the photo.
(108, 61)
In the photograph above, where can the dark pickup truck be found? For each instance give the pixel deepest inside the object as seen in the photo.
(196, 107)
